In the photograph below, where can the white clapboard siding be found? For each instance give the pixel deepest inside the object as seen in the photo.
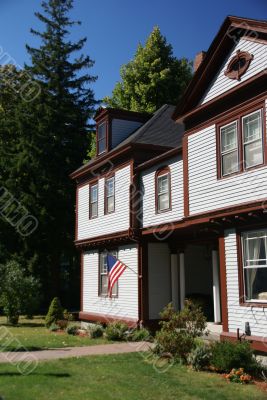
(121, 129)
(126, 304)
(206, 192)
(238, 315)
(222, 83)
(150, 217)
(105, 224)
(159, 278)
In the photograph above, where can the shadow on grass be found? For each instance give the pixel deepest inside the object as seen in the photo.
(50, 374)
(24, 325)
(21, 349)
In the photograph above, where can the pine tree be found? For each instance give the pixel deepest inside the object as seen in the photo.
(154, 77)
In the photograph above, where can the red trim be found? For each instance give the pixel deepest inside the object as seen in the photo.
(186, 176)
(258, 343)
(106, 319)
(223, 283)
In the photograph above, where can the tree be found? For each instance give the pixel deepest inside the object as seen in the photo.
(48, 137)
(19, 292)
(154, 77)
(55, 312)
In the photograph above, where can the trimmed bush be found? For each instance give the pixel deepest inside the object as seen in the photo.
(179, 330)
(200, 356)
(139, 335)
(95, 331)
(72, 330)
(116, 331)
(228, 355)
(55, 312)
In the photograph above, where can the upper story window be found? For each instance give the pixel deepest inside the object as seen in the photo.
(93, 208)
(238, 65)
(103, 275)
(102, 138)
(241, 144)
(254, 250)
(163, 190)
(110, 195)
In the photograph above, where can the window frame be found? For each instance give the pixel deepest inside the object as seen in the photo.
(228, 152)
(91, 185)
(243, 301)
(262, 138)
(106, 194)
(238, 118)
(105, 139)
(113, 251)
(159, 173)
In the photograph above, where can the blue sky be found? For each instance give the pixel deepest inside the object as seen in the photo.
(114, 28)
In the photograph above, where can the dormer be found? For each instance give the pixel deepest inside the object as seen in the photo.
(114, 125)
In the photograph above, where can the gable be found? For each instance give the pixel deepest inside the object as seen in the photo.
(221, 83)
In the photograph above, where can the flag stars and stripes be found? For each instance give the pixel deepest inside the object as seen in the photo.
(115, 270)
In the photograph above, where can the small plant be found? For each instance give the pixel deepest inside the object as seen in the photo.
(54, 327)
(62, 323)
(238, 376)
(179, 330)
(116, 331)
(72, 330)
(95, 331)
(55, 312)
(139, 335)
(228, 355)
(200, 356)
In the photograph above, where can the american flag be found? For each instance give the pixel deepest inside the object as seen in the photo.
(115, 270)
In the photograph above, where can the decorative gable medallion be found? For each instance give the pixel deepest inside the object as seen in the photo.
(238, 65)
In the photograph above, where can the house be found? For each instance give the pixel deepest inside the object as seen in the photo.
(180, 196)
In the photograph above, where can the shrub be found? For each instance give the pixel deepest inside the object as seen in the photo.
(238, 376)
(62, 323)
(54, 327)
(116, 331)
(19, 292)
(95, 331)
(55, 312)
(72, 330)
(200, 356)
(228, 355)
(138, 335)
(179, 330)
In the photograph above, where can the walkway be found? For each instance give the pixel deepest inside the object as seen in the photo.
(54, 354)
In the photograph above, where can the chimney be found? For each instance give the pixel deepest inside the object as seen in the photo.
(199, 59)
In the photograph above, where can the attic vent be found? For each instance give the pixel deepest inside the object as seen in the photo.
(238, 65)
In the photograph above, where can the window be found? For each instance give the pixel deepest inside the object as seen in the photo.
(103, 275)
(93, 201)
(238, 65)
(254, 250)
(241, 144)
(229, 149)
(252, 138)
(101, 138)
(163, 189)
(110, 195)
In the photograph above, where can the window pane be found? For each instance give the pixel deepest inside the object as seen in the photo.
(102, 131)
(256, 283)
(94, 209)
(101, 146)
(252, 127)
(104, 284)
(229, 137)
(230, 163)
(110, 204)
(163, 183)
(163, 201)
(110, 187)
(94, 194)
(253, 153)
(255, 250)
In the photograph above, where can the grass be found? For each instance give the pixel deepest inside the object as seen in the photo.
(33, 335)
(117, 377)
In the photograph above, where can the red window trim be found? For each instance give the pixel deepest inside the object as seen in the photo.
(162, 171)
(231, 74)
(95, 183)
(114, 296)
(238, 118)
(105, 194)
(242, 296)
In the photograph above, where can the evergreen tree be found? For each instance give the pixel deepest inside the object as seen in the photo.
(154, 77)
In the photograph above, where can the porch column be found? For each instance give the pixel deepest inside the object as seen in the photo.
(216, 286)
(182, 280)
(174, 280)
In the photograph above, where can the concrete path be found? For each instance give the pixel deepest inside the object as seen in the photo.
(54, 354)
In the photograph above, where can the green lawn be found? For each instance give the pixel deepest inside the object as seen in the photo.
(120, 377)
(33, 335)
